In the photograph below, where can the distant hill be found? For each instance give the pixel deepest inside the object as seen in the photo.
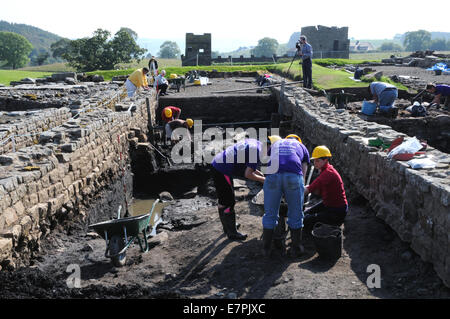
(40, 39)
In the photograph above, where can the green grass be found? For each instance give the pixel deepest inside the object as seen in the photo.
(340, 62)
(6, 76)
(55, 67)
(325, 78)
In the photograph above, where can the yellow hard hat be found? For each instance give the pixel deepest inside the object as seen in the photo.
(274, 138)
(189, 122)
(294, 136)
(168, 112)
(320, 151)
(173, 76)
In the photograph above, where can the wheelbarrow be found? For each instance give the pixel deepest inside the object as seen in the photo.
(120, 233)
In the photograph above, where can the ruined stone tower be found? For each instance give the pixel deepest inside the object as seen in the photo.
(198, 47)
(328, 42)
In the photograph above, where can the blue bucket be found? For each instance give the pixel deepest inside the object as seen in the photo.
(368, 108)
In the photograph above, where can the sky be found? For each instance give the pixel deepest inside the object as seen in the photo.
(232, 23)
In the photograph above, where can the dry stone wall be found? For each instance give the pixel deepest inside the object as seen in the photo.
(415, 203)
(29, 126)
(74, 162)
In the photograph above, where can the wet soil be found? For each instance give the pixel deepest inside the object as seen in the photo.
(198, 261)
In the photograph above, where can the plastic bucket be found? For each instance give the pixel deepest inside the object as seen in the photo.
(368, 108)
(327, 240)
(438, 72)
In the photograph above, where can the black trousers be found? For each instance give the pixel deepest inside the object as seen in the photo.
(307, 73)
(224, 188)
(162, 88)
(323, 214)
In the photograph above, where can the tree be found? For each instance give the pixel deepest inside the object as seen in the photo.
(417, 40)
(14, 49)
(390, 46)
(132, 33)
(169, 50)
(124, 46)
(266, 47)
(60, 47)
(41, 57)
(438, 45)
(97, 53)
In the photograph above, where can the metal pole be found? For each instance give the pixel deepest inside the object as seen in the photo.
(257, 88)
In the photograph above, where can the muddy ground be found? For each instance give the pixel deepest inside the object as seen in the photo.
(191, 258)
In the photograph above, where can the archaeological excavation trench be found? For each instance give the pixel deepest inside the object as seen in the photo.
(91, 164)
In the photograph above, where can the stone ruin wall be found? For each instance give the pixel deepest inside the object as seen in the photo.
(415, 203)
(27, 131)
(33, 202)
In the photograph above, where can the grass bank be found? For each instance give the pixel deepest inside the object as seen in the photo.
(6, 76)
(325, 78)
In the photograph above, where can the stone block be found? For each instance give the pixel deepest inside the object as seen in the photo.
(8, 217)
(19, 208)
(6, 245)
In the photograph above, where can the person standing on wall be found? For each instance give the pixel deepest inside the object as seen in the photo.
(306, 52)
(153, 67)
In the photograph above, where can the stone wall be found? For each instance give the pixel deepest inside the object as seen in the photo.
(223, 109)
(415, 203)
(73, 166)
(328, 42)
(29, 126)
(197, 45)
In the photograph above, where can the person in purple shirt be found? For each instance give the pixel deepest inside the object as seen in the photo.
(292, 159)
(440, 90)
(242, 160)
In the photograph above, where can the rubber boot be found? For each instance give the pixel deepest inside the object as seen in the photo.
(296, 245)
(279, 235)
(267, 241)
(230, 225)
(222, 220)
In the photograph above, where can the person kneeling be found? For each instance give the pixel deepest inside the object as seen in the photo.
(333, 207)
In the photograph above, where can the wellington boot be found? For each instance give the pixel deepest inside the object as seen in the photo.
(230, 225)
(222, 220)
(296, 245)
(267, 241)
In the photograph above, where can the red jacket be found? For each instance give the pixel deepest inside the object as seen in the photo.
(175, 114)
(330, 187)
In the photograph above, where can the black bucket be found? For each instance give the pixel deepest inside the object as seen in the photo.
(438, 72)
(328, 240)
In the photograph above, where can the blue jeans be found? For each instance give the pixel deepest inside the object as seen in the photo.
(387, 98)
(291, 186)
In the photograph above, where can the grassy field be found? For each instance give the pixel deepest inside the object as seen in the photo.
(55, 67)
(6, 76)
(323, 78)
(378, 56)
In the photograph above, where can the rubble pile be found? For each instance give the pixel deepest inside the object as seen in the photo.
(422, 59)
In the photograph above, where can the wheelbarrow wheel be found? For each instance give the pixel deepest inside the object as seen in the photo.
(116, 244)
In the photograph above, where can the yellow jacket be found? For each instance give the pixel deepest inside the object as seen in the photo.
(138, 78)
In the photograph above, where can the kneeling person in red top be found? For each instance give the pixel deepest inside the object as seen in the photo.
(333, 207)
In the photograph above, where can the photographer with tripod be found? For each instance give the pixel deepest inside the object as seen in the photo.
(304, 50)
